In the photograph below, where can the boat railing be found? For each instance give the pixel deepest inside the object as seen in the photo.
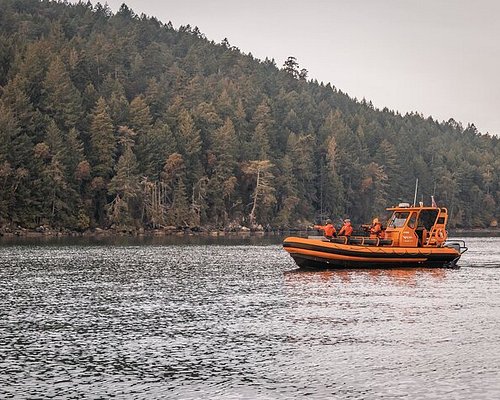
(457, 244)
(361, 241)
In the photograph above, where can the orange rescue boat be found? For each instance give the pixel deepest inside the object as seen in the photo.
(414, 237)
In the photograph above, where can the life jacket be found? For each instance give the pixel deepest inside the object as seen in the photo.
(376, 230)
(328, 229)
(346, 230)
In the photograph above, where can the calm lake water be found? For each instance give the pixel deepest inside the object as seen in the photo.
(234, 319)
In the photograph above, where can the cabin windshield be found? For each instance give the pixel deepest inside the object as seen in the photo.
(398, 219)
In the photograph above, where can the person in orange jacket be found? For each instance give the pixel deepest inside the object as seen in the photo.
(375, 229)
(346, 229)
(328, 229)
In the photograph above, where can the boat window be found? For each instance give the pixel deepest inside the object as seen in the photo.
(413, 220)
(398, 219)
(427, 218)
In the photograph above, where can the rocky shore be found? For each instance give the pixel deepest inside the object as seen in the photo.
(44, 231)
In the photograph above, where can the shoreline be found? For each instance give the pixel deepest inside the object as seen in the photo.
(183, 232)
(95, 233)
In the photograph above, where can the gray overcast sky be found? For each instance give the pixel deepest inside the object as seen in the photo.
(436, 57)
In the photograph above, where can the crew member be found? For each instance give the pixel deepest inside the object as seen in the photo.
(346, 229)
(375, 229)
(328, 229)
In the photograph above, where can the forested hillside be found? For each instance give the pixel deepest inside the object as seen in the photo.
(119, 120)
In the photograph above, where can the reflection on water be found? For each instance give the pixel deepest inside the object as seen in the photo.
(166, 320)
(403, 276)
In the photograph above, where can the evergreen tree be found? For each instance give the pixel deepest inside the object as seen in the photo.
(331, 188)
(388, 158)
(124, 188)
(291, 66)
(118, 105)
(259, 142)
(223, 181)
(55, 141)
(140, 117)
(15, 97)
(57, 205)
(103, 147)
(179, 213)
(287, 195)
(189, 143)
(62, 99)
(8, 131)
(153, 148)
(102, 140)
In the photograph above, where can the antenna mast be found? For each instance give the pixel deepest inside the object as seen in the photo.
(416, 190)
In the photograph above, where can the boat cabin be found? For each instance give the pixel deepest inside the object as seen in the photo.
(411, 226)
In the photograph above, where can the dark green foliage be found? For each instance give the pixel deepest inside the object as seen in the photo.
(124, 186)
(102, 140)
(61, 99)
(122, 120)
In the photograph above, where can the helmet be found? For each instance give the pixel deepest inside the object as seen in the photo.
(347, 220)
(328, 221)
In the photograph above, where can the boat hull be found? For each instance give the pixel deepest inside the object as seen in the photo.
(318, 254)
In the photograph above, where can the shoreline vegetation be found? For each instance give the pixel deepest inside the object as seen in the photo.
(42, 231)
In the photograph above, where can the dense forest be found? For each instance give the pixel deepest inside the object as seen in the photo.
(120, 120)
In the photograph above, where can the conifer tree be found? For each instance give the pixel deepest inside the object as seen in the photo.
(173, 175)
(154, 147)
(262, 119)
(54, 139)
(118, 106)
(189, 143)
(62, 101)
(188, 137)
(33, 67)
(287, 195)
(103, 147)
(18, 164)
(332, 191)
(300, 149)
(15, 97)
(156, 98)
(387, 157)
(57, 207)
(74, 152)
(179, 214)
(140, 116)
(8, 131)
(291, 66)
(124, 187)
(102, 140)
(223, 181)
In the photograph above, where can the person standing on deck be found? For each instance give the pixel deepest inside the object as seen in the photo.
(328, 229)
(346, 229)
(375, 229)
